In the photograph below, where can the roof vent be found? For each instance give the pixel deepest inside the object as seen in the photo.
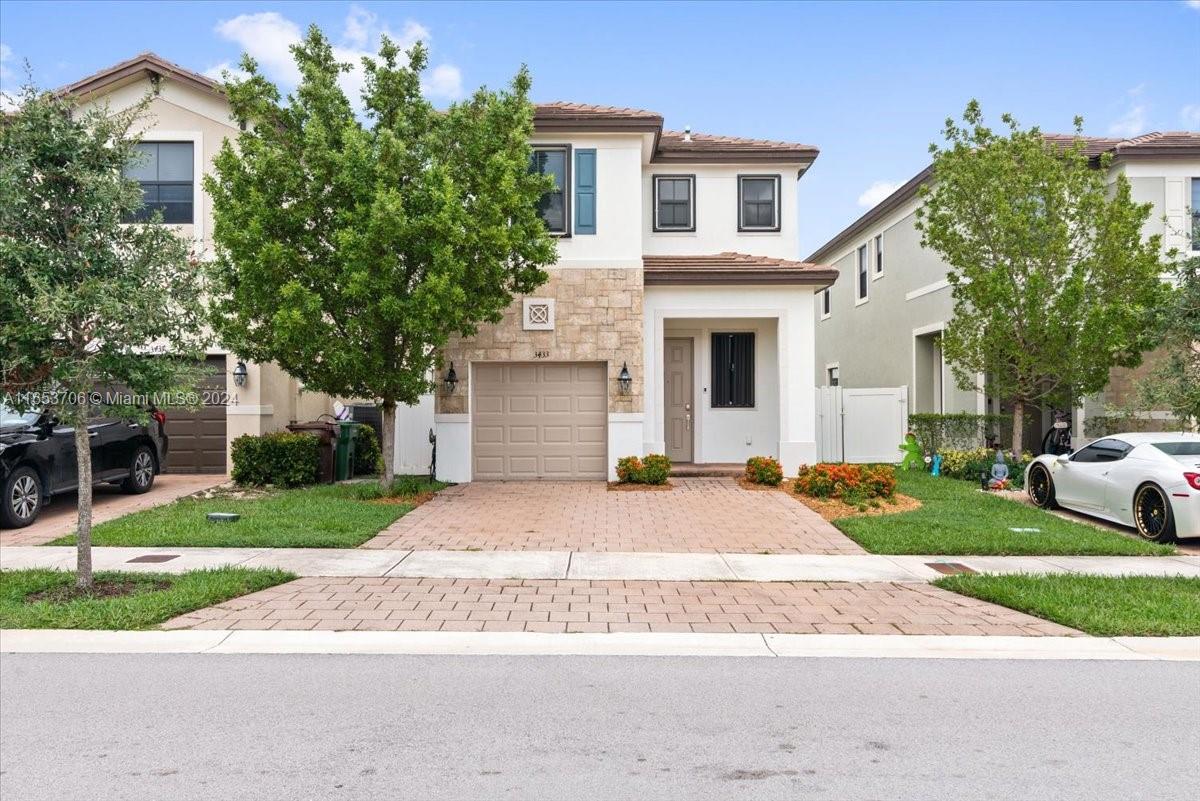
(687, 133)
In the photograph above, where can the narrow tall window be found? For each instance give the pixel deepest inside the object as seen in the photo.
(862, 272)
(758, 202)
(732, 371)
(1196, 214)
(835, 376)
(165, 172)
(554, 206)
(878, 254)
(826, 303)
(674, 203)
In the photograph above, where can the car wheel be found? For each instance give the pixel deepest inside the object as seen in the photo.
(1152, 514)
(22, 498)
(141, 472)
(1041, 487)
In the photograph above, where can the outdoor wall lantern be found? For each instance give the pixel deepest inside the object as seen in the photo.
(624, 380)
(451, 380)
(239, 374)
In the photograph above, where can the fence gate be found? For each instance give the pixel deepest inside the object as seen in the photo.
(861, 425)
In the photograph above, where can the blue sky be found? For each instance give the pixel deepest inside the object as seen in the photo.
(869, 83)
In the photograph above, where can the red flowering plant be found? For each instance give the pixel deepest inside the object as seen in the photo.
(853, 483)
(764, 470)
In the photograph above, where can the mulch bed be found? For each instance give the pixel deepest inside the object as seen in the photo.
(101, 589)
(617, 486)
(406, 500)
(832, 509)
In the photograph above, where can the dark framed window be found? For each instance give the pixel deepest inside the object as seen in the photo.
(758, 202)
(835, 376)
(733, 371)
(554, 206)
(862, 272)
(674, 203)
(1196, 214)
(1102, 450)
(165, 172)
(878, 253)
(826, 302)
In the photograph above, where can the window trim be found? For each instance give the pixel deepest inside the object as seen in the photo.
(877, 256)
(712, 396)
(673, 229)
(1195, 214)
(195, 139)
(826, 303)
(568, 186)
(755, 229)
(862, 269)
(830, 377)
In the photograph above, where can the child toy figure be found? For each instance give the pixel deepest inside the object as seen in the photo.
(912, 452)
(999, 480)
(937, 465)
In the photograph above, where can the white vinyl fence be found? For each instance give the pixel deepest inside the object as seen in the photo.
(861, 425)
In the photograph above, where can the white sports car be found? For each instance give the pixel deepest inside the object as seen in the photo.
(1148, 481)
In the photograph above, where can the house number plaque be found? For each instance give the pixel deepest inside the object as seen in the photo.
(541, 354)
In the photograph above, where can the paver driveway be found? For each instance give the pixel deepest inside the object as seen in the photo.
(700, 515)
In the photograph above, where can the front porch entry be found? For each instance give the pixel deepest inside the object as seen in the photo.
(680, 398)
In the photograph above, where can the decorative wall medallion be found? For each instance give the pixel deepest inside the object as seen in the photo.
(538, 314)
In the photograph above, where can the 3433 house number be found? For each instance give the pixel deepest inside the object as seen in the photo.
(541, 354)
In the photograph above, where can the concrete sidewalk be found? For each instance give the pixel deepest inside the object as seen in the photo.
(591, 566)
(12, 641)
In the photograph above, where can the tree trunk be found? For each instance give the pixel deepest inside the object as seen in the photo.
(1018, 423)
(83, 536)
(389, 444)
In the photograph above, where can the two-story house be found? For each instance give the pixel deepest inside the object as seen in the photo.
(881, 325)
(676, 319)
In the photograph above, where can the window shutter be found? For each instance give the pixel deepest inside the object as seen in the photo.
(585, 191)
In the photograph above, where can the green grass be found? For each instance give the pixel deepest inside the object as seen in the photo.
(956, 518)
(1106, 606)
(156, 597)
(325, 516)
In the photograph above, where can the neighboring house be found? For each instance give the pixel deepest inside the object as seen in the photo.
(676, 271)
(881, 325)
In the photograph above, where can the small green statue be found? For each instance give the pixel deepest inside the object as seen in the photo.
(912, 452)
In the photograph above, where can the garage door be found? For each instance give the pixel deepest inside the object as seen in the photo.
(534, 421)
(197, 437)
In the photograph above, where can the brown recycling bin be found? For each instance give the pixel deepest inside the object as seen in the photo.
(327, 434)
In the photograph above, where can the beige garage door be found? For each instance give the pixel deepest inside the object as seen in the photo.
(540, 421)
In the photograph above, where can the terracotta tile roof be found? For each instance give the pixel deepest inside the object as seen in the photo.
(1160, 143)
(561, 109)
(673, 143)
(143, 63)
(734, 268)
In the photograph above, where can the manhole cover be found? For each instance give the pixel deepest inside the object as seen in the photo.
(154, 557)
(950, 568)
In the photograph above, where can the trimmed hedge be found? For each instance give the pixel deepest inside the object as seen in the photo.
(281, 458)
(960, 431)
(764, 470)
(368, 459)
(653, 469)
(968, 464)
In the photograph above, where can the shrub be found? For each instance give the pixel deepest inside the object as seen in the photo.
(367, 457)
(854, 484)
(281, 458)
(654, 469)
(764, 470)
(968, 464)
(936, 432)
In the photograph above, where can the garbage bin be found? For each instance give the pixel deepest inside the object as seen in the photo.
(327, 434)
(344, 467)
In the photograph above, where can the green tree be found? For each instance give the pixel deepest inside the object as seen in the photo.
(1052, 281)
(1174, 383)
(84, 295)
(350, 249)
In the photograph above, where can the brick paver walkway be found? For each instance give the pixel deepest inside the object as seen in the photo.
(391, 604)
(699, 515)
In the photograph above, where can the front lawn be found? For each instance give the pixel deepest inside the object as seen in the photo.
(956, 518)
(324, 516)
(122, 600)
(1106, 606)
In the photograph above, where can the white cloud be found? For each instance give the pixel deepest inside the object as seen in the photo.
(5, 55)
(1133, 121)
(1193, 4)
(267, 37)
(876, 192)
(8, 100)
(217, 71)
(1190, 114)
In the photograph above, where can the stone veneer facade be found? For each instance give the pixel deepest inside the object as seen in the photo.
(598, 317)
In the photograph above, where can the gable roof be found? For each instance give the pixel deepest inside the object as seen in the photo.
(1170, 144)
(142, 65)
(733, 268)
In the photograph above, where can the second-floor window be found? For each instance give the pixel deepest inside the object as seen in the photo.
(1196, 214)
(862, 273)
(826, 303)
(758, 202)
(554, 207)
(166, 174)
(674, 203)
(878, 254)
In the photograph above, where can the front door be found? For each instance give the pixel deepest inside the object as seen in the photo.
(679, 401)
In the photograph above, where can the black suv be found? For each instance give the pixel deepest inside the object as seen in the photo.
(37, 459)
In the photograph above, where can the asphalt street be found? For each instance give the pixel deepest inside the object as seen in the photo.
(435, 727)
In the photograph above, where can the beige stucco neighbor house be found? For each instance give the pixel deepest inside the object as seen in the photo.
(880, 326)
(677, 318)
